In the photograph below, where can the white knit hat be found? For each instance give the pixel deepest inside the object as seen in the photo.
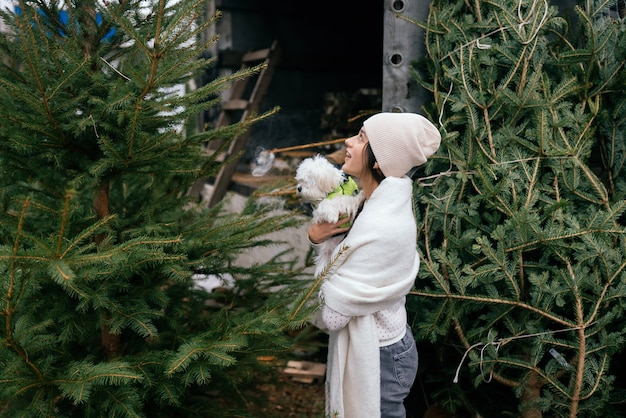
(401, 141)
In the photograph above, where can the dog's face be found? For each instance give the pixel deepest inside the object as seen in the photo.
(317, 177)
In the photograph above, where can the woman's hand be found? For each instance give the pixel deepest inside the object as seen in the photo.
(319, 233)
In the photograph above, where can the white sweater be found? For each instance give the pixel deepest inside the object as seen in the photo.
(368, 283)
(390, 323)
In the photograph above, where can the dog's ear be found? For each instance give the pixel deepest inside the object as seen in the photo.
(320, 174)
(303, 168)
(329, 176)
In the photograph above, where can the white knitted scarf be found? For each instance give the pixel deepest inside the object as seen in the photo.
(378, 269)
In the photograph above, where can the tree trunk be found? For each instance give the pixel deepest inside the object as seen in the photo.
(110, 342)
(530, 396)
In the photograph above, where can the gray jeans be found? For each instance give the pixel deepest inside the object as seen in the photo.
(398, 368)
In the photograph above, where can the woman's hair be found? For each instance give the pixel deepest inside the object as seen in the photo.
(370, 160)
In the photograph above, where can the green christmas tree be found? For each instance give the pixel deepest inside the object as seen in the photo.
(523, 282)
(99, 239)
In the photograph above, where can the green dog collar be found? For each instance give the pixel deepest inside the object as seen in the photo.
(348, 188)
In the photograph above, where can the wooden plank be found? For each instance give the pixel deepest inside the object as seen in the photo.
(236, 104)
(258, 55)
(305, 371)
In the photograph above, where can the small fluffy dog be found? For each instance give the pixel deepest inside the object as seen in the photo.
(332, 194)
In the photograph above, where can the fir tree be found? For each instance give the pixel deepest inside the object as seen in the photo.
(523, 280)
(99, 240)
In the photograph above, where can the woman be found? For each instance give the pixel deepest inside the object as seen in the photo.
(372, 358)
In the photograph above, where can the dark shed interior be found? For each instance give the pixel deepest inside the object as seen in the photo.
(330, 52)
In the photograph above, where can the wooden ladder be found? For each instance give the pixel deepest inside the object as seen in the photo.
(237, 105)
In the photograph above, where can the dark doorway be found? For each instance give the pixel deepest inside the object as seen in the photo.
(331, 54)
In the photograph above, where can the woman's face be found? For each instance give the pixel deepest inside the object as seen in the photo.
(354, 163)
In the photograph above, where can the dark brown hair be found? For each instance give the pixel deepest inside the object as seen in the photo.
(370, 160)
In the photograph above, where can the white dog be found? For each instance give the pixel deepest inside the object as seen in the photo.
(333, 194)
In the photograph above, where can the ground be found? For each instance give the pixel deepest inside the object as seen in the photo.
(279, 396)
